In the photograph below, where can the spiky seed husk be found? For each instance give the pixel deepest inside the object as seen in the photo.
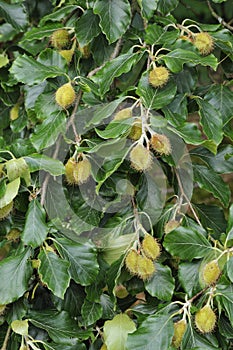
(123, 114)
(205, 319)
(82, 171)
(136, 130)
(67, 55)
(161, 144)
(60, 38)
(171, 225)
(140, 158)
(158, 76)
(5, 211)
(131, 261)
(77, 173)
(65, 95)
(13, 234)
(150, 247)
(69, 171)
(145, 267)
(204, 43)
(210, 272)
(14, 112)
(179, 331)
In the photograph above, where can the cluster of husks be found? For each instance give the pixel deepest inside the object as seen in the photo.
(77, 172)
(140, 263)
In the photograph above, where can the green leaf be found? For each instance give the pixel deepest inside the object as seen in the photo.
(18, 168)
(40, 33)
(177, 58)
(59, 14)
(187, 243)
(104, 111)
(59, 325)
(155, 98)
(91, 312)
(161, 285)
(226, 296)
(148, 7)
(54, 272)
(211, 121)
(47, 133)
(115, 129)
(11, 192)
(212, 182)
(114, 68)
(114, 16)
(83, 260)
(221, 163)
(114, 247)
(230, 269)
(35, 229)
(14, 14)
(166, 6)
(116, 332)
(220, 97)
(155, 332)
(14, 271)
(87, 28)
(211, 217)
(20, 327)
(28, 71)
(41, 162)
(189, 277)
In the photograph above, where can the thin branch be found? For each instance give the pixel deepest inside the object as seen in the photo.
(7, 336)
(219, 19)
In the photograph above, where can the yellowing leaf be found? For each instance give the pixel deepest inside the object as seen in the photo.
(20, 327)
(116, 332)
(4, 60)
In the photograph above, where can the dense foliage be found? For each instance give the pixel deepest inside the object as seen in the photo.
(116, 226)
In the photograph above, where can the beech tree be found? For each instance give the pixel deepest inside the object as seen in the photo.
(116, 166)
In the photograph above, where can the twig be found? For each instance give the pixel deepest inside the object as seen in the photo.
(113, 55)
(220, 19)
(4, 345)
(55, 153)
